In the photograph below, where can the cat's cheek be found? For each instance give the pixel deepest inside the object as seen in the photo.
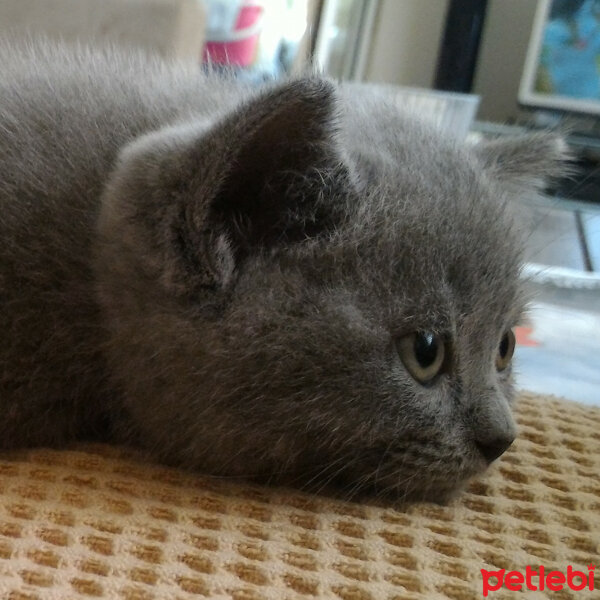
(507, 384)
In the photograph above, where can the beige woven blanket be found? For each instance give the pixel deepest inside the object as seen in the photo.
(96, 522)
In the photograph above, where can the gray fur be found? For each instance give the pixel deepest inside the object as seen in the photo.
(219, 273)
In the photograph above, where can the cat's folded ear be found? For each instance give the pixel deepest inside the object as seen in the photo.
(527, 162)
(267, 174)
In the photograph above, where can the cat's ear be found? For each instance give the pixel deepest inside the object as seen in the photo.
(527, 162)
(278, 164)
(266, 174)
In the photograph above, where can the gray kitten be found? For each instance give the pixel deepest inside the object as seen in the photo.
(291, 283)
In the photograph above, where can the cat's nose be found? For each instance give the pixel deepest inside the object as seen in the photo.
(493, 448)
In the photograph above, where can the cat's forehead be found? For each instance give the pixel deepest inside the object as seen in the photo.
(443, 243)
(427, 213)
(426, 231)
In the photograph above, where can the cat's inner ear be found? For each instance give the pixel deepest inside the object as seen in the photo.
(280, 167)
(527, 162)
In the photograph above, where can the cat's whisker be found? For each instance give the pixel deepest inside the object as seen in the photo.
(333, 475)
(319, 475)
(349, 491)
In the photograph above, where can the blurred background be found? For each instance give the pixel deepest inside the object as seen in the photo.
(383, 41)
(478, 68)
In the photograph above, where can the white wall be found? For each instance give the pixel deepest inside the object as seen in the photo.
(406, 40)
(503, 48)
(407, 37)
(173, 28)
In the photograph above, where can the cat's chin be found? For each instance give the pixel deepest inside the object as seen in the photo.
(441, 496)
(441, 492)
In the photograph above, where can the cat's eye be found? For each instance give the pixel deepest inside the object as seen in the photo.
(506, 350)
(422, 353)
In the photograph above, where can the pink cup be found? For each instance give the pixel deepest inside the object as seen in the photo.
(239, 47)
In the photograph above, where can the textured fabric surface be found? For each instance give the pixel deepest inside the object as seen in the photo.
(99, 522)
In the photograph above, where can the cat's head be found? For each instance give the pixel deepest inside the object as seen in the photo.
(317, 288)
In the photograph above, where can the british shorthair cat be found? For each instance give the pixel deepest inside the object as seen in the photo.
(293, 282)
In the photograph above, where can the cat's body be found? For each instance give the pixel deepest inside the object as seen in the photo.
(64, 116)
(233, 290)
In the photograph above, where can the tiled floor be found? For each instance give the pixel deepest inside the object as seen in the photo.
(560, 352)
